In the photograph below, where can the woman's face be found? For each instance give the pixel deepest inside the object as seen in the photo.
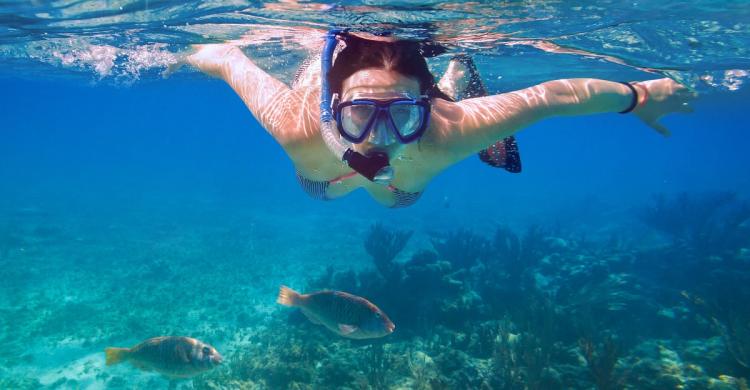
(379, 84)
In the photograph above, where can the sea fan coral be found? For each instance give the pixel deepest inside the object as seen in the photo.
(383, 245)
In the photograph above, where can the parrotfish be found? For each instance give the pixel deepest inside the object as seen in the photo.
(175, 357)
(343, 313)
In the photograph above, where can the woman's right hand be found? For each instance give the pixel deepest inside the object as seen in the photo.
(661, 97)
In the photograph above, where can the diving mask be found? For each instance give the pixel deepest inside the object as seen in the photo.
(406, 118)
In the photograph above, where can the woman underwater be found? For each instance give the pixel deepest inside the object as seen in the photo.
(375, 118)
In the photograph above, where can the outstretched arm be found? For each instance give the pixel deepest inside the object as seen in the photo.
(479, 122)
(267, 98)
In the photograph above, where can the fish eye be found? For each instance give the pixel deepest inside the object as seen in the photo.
(206, 350)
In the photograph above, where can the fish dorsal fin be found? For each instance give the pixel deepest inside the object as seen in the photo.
(346, 329)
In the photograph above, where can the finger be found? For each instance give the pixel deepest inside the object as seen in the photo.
(661, 129)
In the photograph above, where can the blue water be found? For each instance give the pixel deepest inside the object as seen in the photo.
(133, 206)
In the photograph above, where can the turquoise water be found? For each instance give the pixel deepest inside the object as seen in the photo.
(134, 206)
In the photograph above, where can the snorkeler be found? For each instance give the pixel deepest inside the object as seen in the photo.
(369, 114)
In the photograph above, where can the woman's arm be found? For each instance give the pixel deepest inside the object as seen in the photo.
(268, 99)
(472, 124)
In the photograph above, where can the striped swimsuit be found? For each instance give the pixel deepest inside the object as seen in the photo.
(317, 190)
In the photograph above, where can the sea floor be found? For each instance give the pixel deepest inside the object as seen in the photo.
(579, 315)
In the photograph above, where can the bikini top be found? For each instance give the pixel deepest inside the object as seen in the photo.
(317, 190)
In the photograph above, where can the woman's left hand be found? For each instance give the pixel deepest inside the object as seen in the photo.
(661, 97)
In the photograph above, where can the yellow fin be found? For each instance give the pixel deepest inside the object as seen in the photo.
(288, 297)
(115, 355)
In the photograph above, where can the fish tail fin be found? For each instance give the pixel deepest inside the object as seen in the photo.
(288, 297)
(115, 355)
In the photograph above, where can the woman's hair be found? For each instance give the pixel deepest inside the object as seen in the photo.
(404, 57)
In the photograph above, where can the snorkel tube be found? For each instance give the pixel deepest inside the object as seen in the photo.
(375, 167)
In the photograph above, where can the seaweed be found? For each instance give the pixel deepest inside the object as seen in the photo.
(422, 370)
(549, 289)
(506, 245)
(613, 293)
(376, 369)
(333, 280)
(517, 256)
(287, 362)
(708, 223)
(601, 361)
(732, 324)
(507, 251)
(383, 245)
(518, 360)
(462, 248)
(534, 246)
(399, 288)
(736, 335)
(509, 278)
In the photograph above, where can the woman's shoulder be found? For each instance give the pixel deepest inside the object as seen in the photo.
(435, 150)
(301, 116)
(446, 117)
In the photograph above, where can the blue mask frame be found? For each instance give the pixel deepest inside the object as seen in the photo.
(382, 112)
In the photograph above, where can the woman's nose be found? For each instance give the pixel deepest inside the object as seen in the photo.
(381, 134)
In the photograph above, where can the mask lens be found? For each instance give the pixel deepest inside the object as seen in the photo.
(354, 119)
(406, 117)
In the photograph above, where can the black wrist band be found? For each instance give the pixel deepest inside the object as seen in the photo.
(634, 102)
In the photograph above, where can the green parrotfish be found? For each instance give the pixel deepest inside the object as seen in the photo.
(173, 356)
(343, 313)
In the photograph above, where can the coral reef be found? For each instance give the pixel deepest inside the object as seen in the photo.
(539, 308)
(383, 245)
(706, 258)
(709, 223)
(519, 304)
(461, 248)
(601, 362)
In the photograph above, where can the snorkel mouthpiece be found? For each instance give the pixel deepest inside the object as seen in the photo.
(374, 166)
